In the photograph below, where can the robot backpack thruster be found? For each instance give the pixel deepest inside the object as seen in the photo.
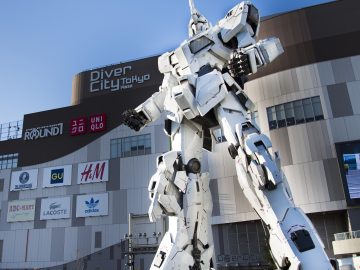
(202, 88)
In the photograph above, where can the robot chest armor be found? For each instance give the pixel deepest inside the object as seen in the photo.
(203, 50)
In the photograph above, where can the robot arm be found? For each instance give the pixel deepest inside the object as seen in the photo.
(147, 112)
(247, 60)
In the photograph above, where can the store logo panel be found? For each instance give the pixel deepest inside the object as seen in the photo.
(43, 132)
(22, 180)
(93, 172)
(21, 211)
(55, 208)
(83, 125)
(57, 176)
(92, 205)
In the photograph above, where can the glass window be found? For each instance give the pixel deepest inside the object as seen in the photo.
(308, 110)
(299, 112)
(295, 112)
(130, 146)
(272, 117)
(317, 108)
(280, 115)
(289, 113)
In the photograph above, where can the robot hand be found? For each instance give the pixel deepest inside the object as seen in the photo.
(238, 67)
(134, 120)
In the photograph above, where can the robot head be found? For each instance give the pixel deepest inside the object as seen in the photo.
(198, 23)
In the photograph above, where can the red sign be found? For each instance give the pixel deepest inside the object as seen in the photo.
(78, 126)
(98, 122)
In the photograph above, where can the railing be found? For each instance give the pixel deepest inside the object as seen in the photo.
(11, 130)
(347, 235)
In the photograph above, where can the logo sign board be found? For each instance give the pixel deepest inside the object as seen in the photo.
(116, 78)
(78, 126)
(43, 132)
(97, 123)
(81, 126)
(92, 205)
(57, 176)
(93, 172)
(26, 179)
(55, 208)
(21, 211)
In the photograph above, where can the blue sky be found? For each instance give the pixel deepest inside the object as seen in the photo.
(43, 43)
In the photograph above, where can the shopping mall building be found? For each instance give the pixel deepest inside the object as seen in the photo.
(73, 180)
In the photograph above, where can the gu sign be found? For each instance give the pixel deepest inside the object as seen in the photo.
(26, 179)
(43, 132)
(93, 172)
(57, 176)
(55, 208)
(21, 211)
(92, 205)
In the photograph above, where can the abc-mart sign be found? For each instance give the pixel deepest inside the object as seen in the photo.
(57, 176)
(22, 180)
(93, 172)
(21, 211)
(43, 132)
(55, 208)
(92, 205)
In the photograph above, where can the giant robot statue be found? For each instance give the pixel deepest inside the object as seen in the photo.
(202, 88)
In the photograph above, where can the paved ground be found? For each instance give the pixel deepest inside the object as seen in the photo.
(353, 180)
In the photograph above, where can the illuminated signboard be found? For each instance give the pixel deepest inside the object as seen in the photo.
(92, 205)
(55, 208)
(43, 132)
(21, 211)
(25, 179)
(57, 176)
(80, 126)
(93, 172)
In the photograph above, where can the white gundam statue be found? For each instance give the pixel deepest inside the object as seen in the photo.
(203, 88)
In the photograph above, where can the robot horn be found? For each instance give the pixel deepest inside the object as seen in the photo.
(192, 7)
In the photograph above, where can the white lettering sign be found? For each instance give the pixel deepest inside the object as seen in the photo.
(57, 176)
(43, 132)
(21, 211)
(92, 205)
(55, 208)
(115, 79)
(93, 172)
(22, 180)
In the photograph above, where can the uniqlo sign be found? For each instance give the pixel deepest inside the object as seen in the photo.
(93, 172)
(78, 126)
(97, 122)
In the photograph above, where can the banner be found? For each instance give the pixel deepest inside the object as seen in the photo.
(55, 208)
(57, 176)
(21, 211)
(93, 172)
(26, 179)
(92, 205)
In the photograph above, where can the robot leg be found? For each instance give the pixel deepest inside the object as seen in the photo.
(293, 240)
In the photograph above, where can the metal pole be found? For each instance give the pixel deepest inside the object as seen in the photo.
(130, 255)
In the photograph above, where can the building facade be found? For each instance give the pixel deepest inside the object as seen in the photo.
(74, 185)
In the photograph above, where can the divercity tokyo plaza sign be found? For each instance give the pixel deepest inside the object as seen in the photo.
(43, 132)
(115, 79)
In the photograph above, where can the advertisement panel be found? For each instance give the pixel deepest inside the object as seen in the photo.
(348, 154)
(26, 179)
(57, 176)
(55, 208)
(92, 205)
(93, 172)
(21, 211)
